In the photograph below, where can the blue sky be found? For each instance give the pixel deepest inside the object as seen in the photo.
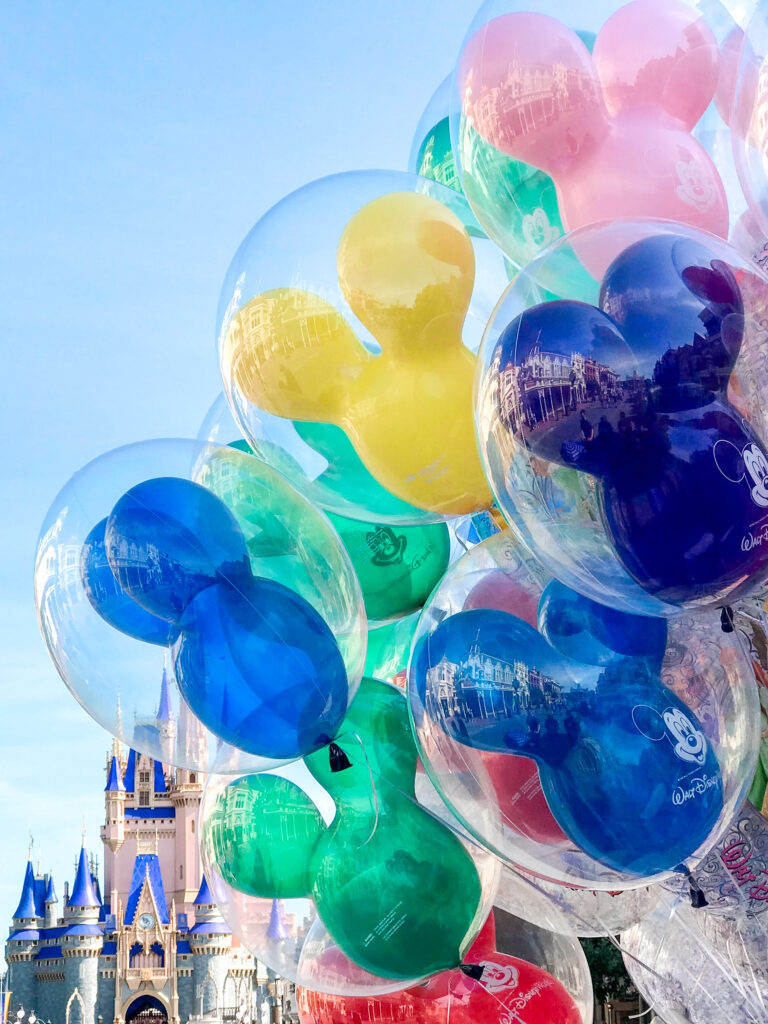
(141, 142)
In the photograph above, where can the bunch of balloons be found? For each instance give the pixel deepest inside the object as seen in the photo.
(459, 597)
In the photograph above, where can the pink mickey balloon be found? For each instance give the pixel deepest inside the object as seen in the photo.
(657, 53)
(529, 87)
(644, 170)
(613, 132)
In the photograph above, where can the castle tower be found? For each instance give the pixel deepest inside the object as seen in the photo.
(81, 943)
(51, 902)
(113, 831)
(210, 940)
(21, 946)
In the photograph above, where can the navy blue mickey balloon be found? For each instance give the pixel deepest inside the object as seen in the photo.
(109, 599)
(635, 393)
(256, 663)
(625, 767)
(593, 633)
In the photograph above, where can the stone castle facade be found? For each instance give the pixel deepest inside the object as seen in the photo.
(154, 948)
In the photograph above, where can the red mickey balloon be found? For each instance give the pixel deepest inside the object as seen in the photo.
(510, 991)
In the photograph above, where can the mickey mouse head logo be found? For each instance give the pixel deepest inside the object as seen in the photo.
(757, 467)
(388, 548)
(689, 742)
(498, 977)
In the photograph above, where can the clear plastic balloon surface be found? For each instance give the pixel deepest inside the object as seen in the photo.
(748, 120)
(694, 967)
(332, 873)
(621, 416)
(347, 325)
(614, 747)
(566, 116)
(199, 565)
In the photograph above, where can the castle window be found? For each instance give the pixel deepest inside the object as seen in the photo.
(181, 870)
(192, 777)
(193, 826)
(143, 798)
(143, 776)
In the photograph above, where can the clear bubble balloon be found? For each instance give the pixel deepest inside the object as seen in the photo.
(699, 968)
(629, 136)
(621, 416)
(338, 306)
(525, 975)
(150, 580)
(616, 747)
(332, 873)
(748, 133)
(589, 913)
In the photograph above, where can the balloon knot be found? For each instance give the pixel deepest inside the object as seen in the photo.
(338, 759)
(726, 619)
(698, 899)
(474, 971)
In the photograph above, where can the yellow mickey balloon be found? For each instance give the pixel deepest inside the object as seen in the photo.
(406, 266)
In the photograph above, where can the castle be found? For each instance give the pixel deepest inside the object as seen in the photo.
(156, 948)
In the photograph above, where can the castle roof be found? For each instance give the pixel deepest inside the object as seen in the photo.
(48, 953)
(150, 812)
(24, 935)
(130, 771)
(115, 779)
(83, 894)
(209, 928)
(109, 949)
(27, 907)
(183, 946)
(204, 896)
(50, 892)
(146, 868)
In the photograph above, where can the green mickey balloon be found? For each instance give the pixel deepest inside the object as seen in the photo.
(397, 567)
(394, 887)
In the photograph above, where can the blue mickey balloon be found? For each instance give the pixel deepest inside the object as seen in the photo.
(595, 634)
(261, 668)
(645, 408)
(625, 767)
(256, 663)
(107, 597)
(169, 538)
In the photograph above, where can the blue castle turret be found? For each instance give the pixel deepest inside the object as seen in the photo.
(154, 948)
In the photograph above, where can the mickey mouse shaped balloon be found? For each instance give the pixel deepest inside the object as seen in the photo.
(625, 766)
(227, 570)
(363, 323)
(632, 397)
(612, 128)
(395, 888)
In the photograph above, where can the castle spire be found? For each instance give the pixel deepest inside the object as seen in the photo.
(83, 894)
(165, 709)
(50, 891)
(204, 897)
(276, 928)
(115, 779)
(26, 908)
